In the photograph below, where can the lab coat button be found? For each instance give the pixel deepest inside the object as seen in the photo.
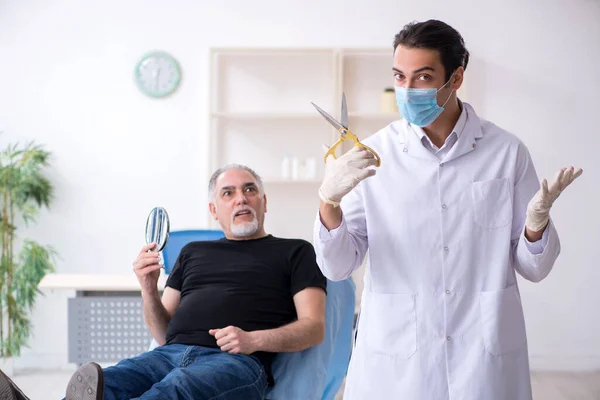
(444, 206)
(405, 150)
(446, 249)
(447, 292)
(448, 338)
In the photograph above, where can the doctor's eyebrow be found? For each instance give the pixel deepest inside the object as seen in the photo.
(416, 71)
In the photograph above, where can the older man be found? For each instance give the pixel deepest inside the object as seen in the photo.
(228, 307)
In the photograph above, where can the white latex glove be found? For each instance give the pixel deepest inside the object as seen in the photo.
(344, 173)
(538, 209)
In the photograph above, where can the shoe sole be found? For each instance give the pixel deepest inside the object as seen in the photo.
(6, 390)
(80, 389)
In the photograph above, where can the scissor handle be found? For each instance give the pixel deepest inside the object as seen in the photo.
(347, 135)
(359, 144)
(331, 151)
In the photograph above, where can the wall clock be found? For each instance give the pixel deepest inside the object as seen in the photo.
(157, 74)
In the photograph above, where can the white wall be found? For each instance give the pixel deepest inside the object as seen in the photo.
(66, 71)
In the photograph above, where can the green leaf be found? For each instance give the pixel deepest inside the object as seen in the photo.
(24, 190)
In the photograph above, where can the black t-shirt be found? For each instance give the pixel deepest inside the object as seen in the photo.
(249, 284)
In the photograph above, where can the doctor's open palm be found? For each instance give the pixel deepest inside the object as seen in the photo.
(538, 209)
(344, 173)
(147, 268)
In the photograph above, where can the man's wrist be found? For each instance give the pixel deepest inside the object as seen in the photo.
(257, 338)
(534, 236)
(330, 216)
(325, 199)
(150, 293)
(536, 223)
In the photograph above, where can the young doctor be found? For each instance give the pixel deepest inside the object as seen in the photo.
(450, 217)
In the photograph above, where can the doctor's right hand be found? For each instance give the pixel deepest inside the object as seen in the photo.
(147, 268)
(344, 173)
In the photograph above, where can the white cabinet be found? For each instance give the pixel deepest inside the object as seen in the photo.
(261, 112)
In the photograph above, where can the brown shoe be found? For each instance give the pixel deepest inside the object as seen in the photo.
(87, 383)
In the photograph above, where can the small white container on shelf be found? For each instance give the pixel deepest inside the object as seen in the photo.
(295, 168)
(310, 168)
(286, 167)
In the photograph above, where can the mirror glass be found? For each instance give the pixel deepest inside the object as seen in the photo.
(157, 228)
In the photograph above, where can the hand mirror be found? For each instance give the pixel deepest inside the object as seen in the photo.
(157, 228)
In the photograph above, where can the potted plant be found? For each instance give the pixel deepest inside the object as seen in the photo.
(24, 190)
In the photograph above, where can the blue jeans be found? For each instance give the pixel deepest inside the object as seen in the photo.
(181, 372)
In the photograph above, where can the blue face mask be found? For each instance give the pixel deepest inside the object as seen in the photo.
(419, 106)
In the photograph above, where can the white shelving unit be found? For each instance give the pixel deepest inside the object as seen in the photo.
(260, 111)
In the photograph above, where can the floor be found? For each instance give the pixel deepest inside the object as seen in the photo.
(546, 385)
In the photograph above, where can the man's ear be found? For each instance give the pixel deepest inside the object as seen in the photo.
(213, 210)
(265, 200)
(457, 78)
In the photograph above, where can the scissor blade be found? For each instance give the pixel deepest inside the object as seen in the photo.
(344, 116)
(328, 117)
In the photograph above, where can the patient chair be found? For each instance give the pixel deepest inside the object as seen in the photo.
(178, 239)
(316, 373)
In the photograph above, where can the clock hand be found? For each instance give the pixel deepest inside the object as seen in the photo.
(156, 74)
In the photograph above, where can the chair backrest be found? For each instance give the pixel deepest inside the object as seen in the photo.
(317, 373)
(178, 239)
(341, 339)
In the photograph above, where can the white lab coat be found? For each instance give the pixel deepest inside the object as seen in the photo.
(441, 315)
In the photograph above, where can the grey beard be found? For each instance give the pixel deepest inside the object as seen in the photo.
(244, 229)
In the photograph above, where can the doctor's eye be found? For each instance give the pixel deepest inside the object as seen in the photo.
(425, 77)
(399, 77)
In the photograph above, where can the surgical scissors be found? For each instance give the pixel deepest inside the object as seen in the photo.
(345, 133)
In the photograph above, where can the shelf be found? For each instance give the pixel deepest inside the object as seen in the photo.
(364, 77)
(304, 116)
(283, 51)
(274, 81)
(291, 181)
(374, 115)
(368, 52)
(270, 116)
(100, 282)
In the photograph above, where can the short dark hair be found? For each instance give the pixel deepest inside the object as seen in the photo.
(435, 35)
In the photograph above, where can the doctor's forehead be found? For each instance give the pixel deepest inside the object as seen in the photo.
(410, 59)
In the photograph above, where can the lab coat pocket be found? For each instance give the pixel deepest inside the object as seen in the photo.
(492, 206)
(503, 323)
(390, 327)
